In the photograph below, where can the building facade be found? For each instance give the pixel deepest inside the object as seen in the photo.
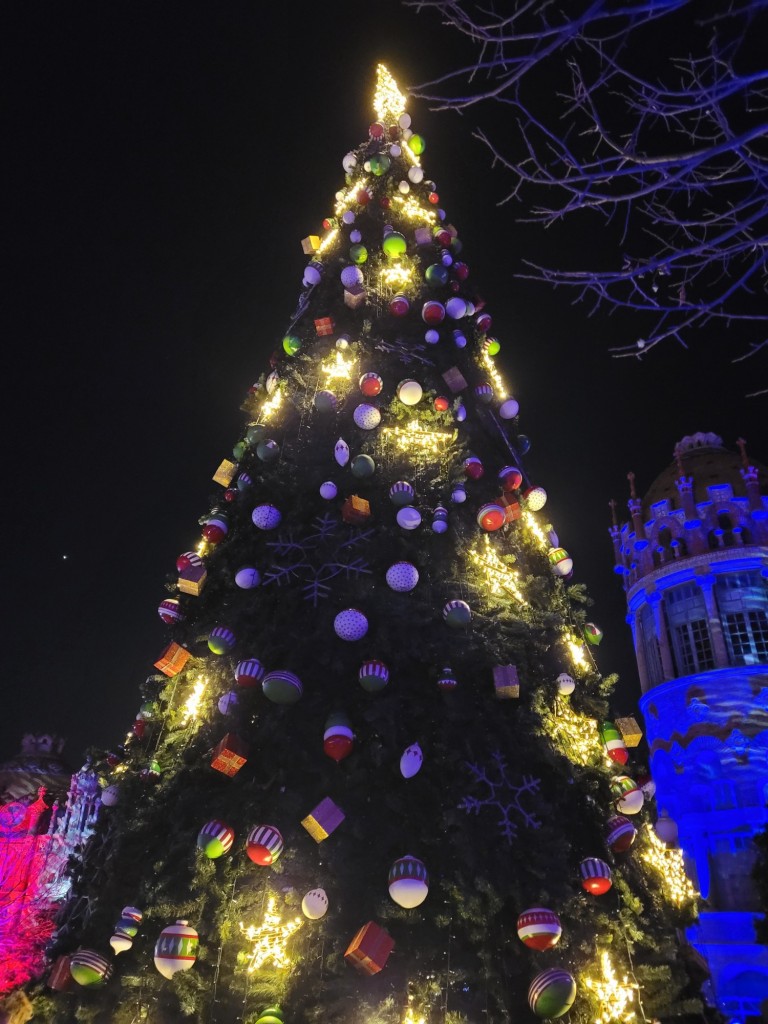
(694, 563)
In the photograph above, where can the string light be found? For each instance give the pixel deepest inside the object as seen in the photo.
(414, 436)
(490, 368)
(614, 997)
(270, 939)
(535, 530)
(499, 577)
(575, 734)
(398, 276)
(668, 862)
(191, 707)
(336, 367)
(272, 404)
(413, 210)
(329, 239)
(410, 1015)
(202, 547)
(346, 198)
(576, 652)
(388, 101)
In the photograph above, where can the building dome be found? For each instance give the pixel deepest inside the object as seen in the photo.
(704, 457)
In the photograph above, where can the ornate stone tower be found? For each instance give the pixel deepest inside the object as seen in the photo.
(694, 564)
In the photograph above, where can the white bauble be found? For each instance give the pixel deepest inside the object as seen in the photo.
(315, 904)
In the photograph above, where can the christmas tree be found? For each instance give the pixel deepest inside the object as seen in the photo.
(371, 777)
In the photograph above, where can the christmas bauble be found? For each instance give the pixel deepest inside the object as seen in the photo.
(510, 478)
(292, 344)
(268, 450)
(88, 967)
(539, 928)
(484, 322)
(367, 417)
(535, 498)
(433, 312)
(552, 993)
(409, 392)
(648, 786)
(565, 684)
(351, 276)
(416, 144)
(314, 904)
(401, 493)
(349, 163)
(456, 308)
(221, 640)
(328, 490)
(170, 611)
(614, 744)
(249, 672)
(458, 495)
(371, 384)
(415, 174)
(509, 409)
(350, 624)
(338, 738)
(436, 275)
(595, 876)
(441, 404)
(266, 517)
(408, 882)
(325, 401)
(408, 517)
(432, 337)
(446, 680)
(457, 614)
(665, 828)
(358, 253)
(187, 560)
(244, 482)
(264, 845)
(282, 687)
(439, 519)
(492, 346)
(394, 245)
(176, 949)
(363, 466)
(380, 164)
(312, 276)
(491, 517)
(373, 675)
(627, 795)
(111, 795)
(227, 702)
(592, 634)
(560, 562)
(271, 1015)
(256, 432)
(215, 529)
(400, 305)
(411, 761)
(215, 839)
(473, 468)
(341, 452)
(248, 577)
(620, 833)
(402, 577)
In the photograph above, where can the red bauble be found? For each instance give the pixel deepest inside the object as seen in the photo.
(215, 531)
(442, 404)
(230, 494)
(443, 237)
(376, 130)
(385, 202)
(434, 198)
(363, 197)
(510, 478)
(399, 306)
(473, 467)
(338, 747)
(139, 728)
(461, 270)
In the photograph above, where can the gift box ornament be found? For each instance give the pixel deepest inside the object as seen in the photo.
(310, 245)
(455, 380)
(172, 660)
(369, 950)
(323, 326)
(192, 579)
(354, 297)
(323, 820)
(355, 510)
(225, 474)
(229, 755)
(60, 978)
(630, 731)
(506, 681)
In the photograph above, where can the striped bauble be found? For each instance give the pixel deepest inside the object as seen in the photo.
(221, 640)
(620, 833)
(264, 845)
(539, 928)
(88, 967)
(595, 876)
(215, 839)
(552, 993)
(249, 672)
(373, 675)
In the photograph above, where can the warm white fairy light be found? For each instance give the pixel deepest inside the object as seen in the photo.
(412, 209)
(414, 436)
(576, 651)
(388, 101)
(535, 530)
(328, 240)
(191, 707)
(336, 367)
(270, 939)
(346, 198)
(398, 276)
(499, 386)
(614, 996)
(499, 577)
(202, 547)
(411, 1017)
(576, 735)
(668, 862)
(272, 404)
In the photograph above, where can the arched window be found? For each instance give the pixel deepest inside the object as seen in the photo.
(650, 644)
(689, 629)
(742, 599)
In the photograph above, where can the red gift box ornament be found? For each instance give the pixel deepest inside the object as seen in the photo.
(229, 755)
(172, 660)
(369, 950)
(323, 326)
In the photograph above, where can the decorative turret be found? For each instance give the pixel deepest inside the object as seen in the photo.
(694, 565)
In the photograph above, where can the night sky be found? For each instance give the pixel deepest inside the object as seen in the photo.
(162, 163)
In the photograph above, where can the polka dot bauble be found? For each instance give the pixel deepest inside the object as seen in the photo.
(367, 417)
(350, 624)
(402, 577)
(266, 517)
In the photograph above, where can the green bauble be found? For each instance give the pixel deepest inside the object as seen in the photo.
(436, 275)
(492, 347)
(380, 164)
(416, 144)
(256, 432)
(291, 344)
(394, 245)
(358, 254)
(239, 450)
(362, 466)
(268, 450)
(272, 1015)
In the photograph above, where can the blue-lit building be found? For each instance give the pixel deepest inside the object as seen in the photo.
(694, 563)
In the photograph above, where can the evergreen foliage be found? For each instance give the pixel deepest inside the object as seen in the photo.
(502, 811)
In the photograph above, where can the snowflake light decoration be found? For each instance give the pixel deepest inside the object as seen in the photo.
(503, 795)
